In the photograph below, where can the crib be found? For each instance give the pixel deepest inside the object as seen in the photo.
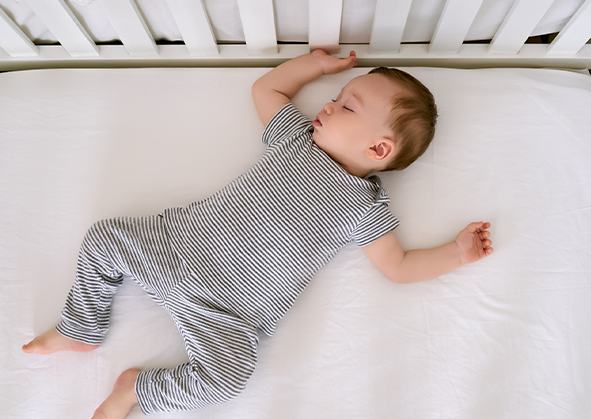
(122, 33)
(127, 107)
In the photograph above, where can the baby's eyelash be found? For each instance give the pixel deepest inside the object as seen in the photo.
(351, 110)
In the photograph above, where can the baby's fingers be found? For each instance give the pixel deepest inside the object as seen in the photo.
(479, 226)
(341, 64)
(347, 63)
(486, 247)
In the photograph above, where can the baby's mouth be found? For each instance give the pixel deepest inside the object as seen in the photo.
(317, 122)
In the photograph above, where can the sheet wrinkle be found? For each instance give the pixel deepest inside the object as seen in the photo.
(543, 400)
(586, 272)
(456, 391)
(587, 181)
(548, 244)
(570, 345)
(425, 313)
(554, 114)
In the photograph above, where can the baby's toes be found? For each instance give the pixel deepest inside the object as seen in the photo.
(32, 346)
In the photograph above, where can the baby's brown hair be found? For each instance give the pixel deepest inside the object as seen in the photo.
(412, 119)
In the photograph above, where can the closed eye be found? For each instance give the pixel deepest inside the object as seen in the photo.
(344, 107)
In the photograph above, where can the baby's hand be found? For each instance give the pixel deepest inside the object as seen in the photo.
(473, 243)
(332, 65)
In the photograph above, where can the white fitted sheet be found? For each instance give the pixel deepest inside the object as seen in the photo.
(508, 337)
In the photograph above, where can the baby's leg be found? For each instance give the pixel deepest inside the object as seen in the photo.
(86, 314)
(135, 247)
(121, 399)
(222, 354)
(85, 317)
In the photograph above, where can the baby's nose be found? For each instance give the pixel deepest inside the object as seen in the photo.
(329, 108)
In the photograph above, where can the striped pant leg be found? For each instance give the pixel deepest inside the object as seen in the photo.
(222, 356)
(112, 249)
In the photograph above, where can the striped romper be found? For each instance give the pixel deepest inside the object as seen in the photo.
(230, 265)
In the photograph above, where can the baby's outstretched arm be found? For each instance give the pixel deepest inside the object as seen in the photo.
(275, 89)
(400, 266)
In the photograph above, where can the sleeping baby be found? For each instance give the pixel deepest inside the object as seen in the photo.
(231, 265)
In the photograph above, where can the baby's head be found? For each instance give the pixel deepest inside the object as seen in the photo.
(383, 120)
(412, 118)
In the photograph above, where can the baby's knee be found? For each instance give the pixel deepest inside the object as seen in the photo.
(220, 389)
(183, 388)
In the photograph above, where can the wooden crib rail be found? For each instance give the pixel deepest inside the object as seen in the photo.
(508, 48)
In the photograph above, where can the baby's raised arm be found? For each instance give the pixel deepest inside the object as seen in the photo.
(275, 89)
(400, 266)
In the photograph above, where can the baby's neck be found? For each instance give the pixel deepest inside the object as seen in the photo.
(351, 168)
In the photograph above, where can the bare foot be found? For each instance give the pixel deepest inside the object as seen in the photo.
(52, 341)
(121, 399)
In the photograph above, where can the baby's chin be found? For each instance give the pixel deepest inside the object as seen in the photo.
(314, 134)
(317, 139)
(321, 145)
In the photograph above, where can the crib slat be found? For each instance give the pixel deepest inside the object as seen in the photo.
(388, 25)
(193, 22)
(453, 25)
(13, 40)
(258, 22)
(62, 23)
(324, 22)
(518, 25)
(127, 21)
(575, 34)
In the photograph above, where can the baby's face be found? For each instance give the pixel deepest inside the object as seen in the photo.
(349, 124)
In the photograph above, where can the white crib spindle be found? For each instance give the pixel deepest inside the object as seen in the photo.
(193, 22)
(325, 24)
(62, 23)
(258, 22)
(127, 21)
(453, 25)
(388, 25)
(13, 40)
(575, 34)
(518, 25)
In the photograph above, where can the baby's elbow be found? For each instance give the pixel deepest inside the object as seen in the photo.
(398, 273)
(395, 277)
(393, 272)
(254, 90)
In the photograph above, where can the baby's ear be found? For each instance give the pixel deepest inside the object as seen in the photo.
(382, 150)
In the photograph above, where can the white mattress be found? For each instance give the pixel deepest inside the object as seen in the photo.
(291, 18)
(508, 337)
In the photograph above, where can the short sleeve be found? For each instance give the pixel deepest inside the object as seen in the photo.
(286, 123)
(376, 222)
